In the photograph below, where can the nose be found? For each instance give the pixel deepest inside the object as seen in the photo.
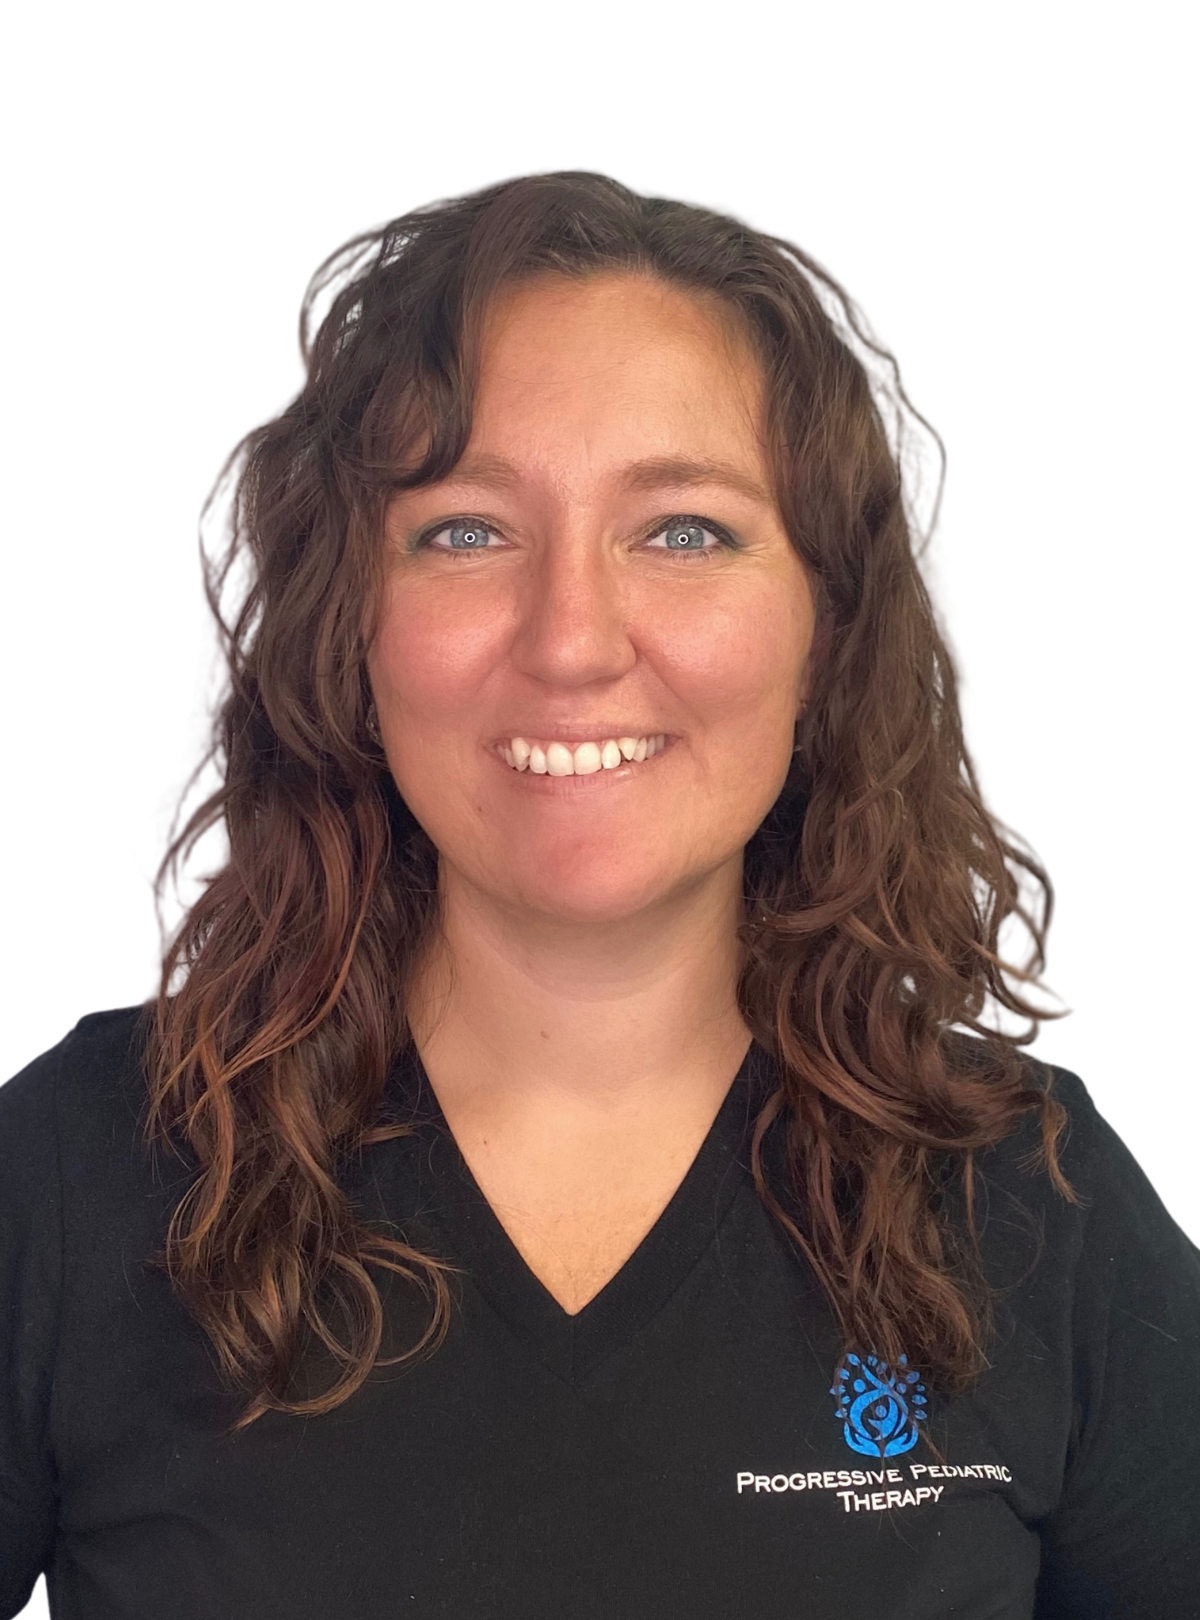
(573, 627)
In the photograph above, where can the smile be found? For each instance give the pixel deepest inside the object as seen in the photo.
(548, 758)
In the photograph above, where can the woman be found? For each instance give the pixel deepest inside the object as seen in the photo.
(571, 1168)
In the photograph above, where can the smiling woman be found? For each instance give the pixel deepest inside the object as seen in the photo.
(580, 1122)
(582, 606)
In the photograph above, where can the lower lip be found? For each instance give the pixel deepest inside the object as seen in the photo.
(545, 783)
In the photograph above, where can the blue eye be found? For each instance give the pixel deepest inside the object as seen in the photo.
(465, 536)
(683, 534)
(688, 535)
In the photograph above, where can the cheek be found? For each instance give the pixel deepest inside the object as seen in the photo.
(432, 649)
(741, 661)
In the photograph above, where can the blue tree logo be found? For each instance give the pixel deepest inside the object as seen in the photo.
(879, 1406)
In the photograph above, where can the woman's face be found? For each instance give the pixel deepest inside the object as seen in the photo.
(606, 562)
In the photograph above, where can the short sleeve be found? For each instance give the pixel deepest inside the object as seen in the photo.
(30, 1290)
(1124, 1539)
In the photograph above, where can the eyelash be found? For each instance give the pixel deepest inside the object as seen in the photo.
(679, 520)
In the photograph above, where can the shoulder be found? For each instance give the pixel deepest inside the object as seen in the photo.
(1090, 1153)
(1082, 1142)
(1110, 1234)
(1017, 1164)
(85, 1196)
(1117, 1284)
(103, 1055)
(88, 1088)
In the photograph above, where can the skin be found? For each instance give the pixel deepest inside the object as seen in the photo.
(577, 1016)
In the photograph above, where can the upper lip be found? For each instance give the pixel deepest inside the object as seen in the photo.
(574, 735)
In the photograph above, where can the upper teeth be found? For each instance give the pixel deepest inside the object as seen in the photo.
(556, 759)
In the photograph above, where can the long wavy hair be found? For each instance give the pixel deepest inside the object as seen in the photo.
(876, 889)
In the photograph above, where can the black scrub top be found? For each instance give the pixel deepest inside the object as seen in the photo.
(692, 1445)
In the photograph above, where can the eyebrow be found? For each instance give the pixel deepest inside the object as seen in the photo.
(655, 472)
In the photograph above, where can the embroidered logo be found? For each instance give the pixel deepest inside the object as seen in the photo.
(879, 1406)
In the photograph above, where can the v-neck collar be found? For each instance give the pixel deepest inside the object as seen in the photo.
(572, 1346)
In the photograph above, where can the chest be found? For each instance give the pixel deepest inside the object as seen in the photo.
(576, 1248)
(671, 1451)
(575, 1218)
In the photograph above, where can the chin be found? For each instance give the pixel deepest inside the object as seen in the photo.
(600, 888)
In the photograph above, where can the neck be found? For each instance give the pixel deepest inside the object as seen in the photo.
(515, 1014)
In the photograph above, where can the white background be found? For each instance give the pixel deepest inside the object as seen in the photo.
(1007, 190)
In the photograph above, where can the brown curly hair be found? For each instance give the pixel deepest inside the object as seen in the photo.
(875, 890)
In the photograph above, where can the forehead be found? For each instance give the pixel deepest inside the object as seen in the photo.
(592, 366)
